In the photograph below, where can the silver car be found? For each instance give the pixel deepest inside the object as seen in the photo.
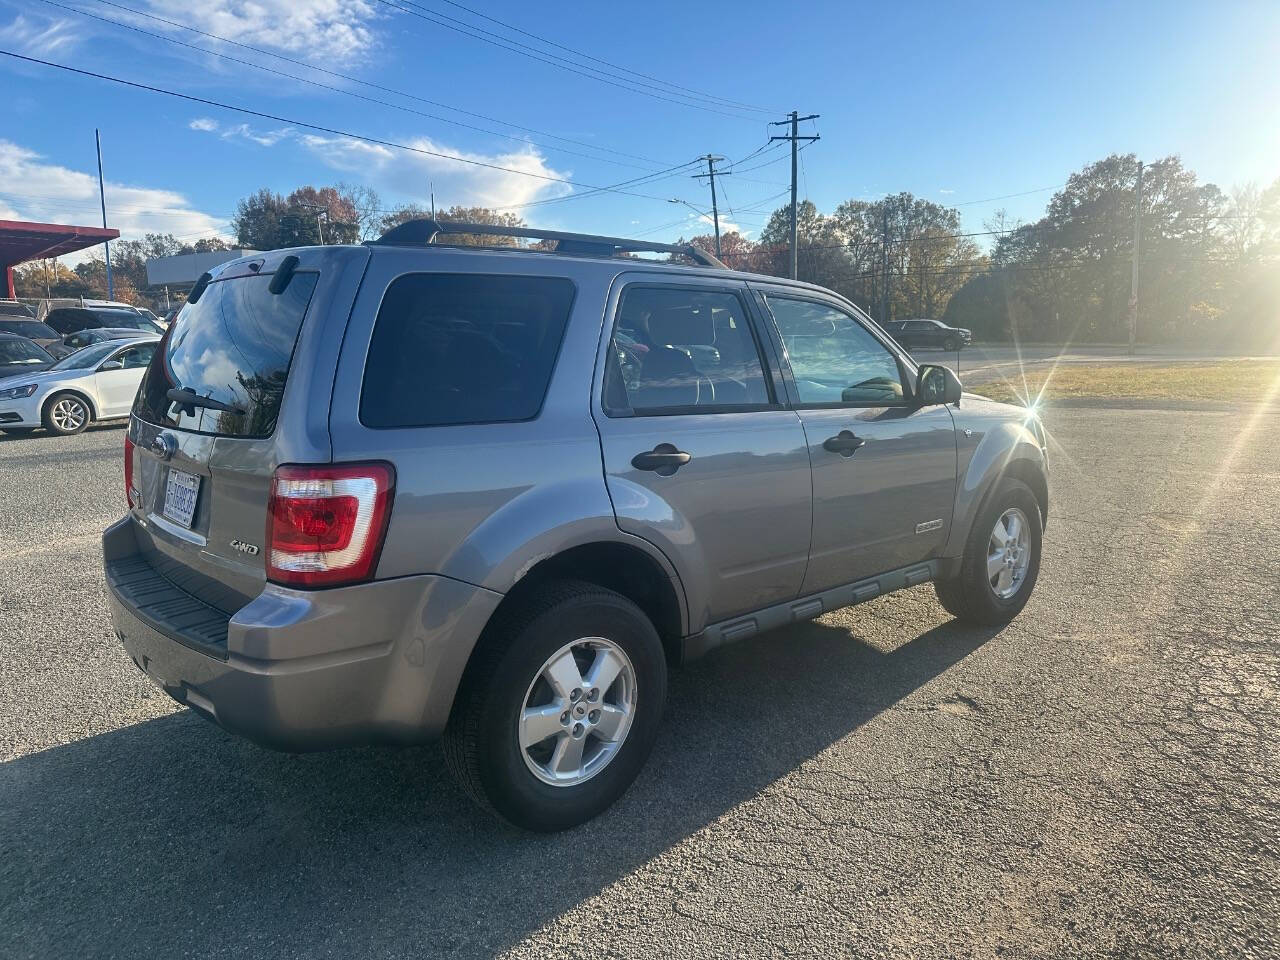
(389, 492)
(97, 382)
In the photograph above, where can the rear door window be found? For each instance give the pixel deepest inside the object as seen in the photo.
(234, 345)
(678, 350)
(463, 348)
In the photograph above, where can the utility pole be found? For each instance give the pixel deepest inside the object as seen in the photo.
(1137, 239)
(715, 210)
(431, 188)
(795, 138)
(320, 210)
(102, 195)
(884, 265)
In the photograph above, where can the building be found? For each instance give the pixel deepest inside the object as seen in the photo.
(184, 269)
(22, 241)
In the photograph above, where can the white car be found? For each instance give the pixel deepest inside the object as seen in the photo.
(96, 383)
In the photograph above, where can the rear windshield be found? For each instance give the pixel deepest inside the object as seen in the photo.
(235, 345)
(29, 328)
(463, 348)
(15, 310)
(22, 351)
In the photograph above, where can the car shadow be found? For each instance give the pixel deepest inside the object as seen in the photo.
(41, 433)
(172, 836)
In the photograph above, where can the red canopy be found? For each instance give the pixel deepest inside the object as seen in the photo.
(21, 241)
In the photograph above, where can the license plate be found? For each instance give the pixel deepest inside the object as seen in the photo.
(180, 494)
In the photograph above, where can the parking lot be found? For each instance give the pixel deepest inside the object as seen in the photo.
(1101, 777)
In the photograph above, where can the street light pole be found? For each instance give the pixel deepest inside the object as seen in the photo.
(102, 196)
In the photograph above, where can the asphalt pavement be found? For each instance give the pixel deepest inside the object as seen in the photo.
(1102, 777)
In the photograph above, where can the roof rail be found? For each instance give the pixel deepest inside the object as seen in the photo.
(425, 231)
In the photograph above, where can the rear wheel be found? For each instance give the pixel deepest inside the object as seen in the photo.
(66, 413)
(951, 344)
(1001, 559)
(559, 708)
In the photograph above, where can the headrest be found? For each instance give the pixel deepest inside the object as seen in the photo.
(681, 325)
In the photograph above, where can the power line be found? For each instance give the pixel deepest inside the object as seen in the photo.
(532, 53)
(325, 86)
(612, 66)
(374, 86)
(323, 129)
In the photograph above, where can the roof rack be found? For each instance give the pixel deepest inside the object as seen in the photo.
(425, 231)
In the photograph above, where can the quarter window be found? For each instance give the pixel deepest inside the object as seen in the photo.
(835, 359)
(678, 350)
(463, 348)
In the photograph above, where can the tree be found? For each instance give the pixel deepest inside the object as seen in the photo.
(457, 214)
(268, 221)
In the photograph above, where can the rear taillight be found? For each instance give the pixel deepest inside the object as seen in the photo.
(130, 493)
(326, 524)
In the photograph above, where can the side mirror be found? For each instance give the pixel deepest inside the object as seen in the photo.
(937, 384)
(112, 365)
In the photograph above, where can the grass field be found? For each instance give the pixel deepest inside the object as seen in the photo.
(1234, 381)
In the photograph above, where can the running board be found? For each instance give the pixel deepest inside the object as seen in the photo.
(807, 608)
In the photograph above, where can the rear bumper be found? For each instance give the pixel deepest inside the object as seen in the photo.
(377, 662)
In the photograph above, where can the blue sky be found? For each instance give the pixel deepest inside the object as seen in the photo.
(958, 103)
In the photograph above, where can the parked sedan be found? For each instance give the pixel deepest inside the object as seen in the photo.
(18, 355)
(96, 383)
(15, 308)
(928, 333)
(74, 319)
(77, 341)
(31, 329)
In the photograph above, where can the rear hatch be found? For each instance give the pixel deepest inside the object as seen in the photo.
(234, 391)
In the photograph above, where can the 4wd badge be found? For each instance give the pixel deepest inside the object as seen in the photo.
(241, 547)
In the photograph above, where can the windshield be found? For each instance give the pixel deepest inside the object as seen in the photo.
(15, 310)
(29, 328)
(83, 359)
(22, 351)
(234, 345)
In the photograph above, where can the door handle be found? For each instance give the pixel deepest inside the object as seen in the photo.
(664, 460)
(843, 443)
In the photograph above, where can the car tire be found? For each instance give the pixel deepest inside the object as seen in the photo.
(66, 414)
(995, 582)
(951, 345)
(508, 698)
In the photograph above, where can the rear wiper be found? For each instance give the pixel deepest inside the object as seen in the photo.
(187, 400)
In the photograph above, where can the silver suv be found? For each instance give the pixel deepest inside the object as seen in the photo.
(388, 492)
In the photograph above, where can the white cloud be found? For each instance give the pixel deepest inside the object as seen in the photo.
(406, 173)
(48, 36)
(726, 225)
(241, 131)
(455, 181)
(945, 190)
(318, 30)
(32, 189)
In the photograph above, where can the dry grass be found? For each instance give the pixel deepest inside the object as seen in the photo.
(1235, 381)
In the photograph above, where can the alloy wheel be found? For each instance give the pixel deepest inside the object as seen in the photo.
(68, 414)
(1008, 553)
(577, 711)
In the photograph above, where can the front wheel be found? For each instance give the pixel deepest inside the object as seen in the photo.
(1001, 559)
(559, 707)
(65, 414)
